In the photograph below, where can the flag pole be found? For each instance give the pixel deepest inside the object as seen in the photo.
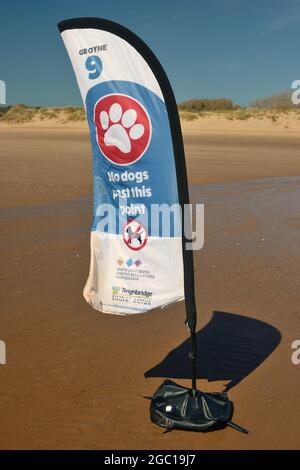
(193, 357)
(189, 284)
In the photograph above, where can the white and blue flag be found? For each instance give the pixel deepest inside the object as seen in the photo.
(137, 257)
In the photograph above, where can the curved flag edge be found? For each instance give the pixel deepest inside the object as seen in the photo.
(176, 134)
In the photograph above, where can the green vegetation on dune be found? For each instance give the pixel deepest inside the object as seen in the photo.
(47, 113)
(74, 114)
(189, 110)
(188, 115)
(3, 110)
(282, 100)
(205, 104)
(20, 114)
(271, 107)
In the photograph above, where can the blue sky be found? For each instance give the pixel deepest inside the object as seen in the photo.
(236, 49)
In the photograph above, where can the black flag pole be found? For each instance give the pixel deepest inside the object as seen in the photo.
(193, 357)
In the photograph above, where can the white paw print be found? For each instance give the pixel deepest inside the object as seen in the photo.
(120, 127)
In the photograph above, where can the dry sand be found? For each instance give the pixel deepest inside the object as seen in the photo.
(74, 378)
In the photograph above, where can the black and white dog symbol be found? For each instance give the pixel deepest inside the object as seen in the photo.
(134, 235)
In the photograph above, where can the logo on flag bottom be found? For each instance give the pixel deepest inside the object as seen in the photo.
(123, 128)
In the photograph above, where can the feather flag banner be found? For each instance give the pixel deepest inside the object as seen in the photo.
(139, 255)
(140, 184)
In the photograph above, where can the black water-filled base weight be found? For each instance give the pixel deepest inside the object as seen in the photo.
(176, 407)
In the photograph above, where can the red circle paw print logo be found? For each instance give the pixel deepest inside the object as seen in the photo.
(123, 128)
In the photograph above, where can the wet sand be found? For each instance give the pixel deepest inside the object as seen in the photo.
(74, 378)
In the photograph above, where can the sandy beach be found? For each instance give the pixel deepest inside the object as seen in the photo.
(68, 365)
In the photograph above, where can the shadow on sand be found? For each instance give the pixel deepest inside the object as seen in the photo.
(230, 347)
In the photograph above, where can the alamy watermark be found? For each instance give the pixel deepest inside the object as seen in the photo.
(2, 352)
(2, 92)
(296, 353)
(137, 221)
(295, 96)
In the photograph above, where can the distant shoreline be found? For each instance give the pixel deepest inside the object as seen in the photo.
(273, 123)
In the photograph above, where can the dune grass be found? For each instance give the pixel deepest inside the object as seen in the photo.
(21, 114)
(18, 114)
